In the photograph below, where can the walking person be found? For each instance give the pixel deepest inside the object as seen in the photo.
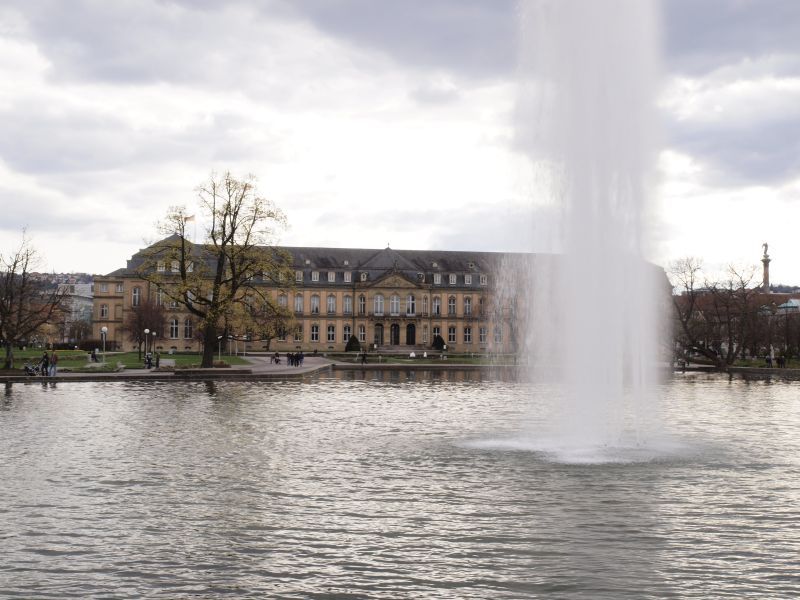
(53, 364)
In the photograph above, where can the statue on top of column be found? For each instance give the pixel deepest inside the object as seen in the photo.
(766, 247)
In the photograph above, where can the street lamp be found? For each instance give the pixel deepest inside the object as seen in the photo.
(219, 338)
(146, 337)
(103, 332)
(153, 342)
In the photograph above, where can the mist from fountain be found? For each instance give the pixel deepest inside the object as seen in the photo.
(585, 119)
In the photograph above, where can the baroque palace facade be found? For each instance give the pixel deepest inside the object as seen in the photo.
(391, 300)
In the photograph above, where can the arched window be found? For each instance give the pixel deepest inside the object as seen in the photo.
(187, 328)
(467, 306)
(437, 305)
(411, 305)
(394, 305)
(136, 296)
(451, 305)
(348, 305)
(173, 329)
(379, 305)
(362, 304)
(346, 333)
(331, 304)
(331, 333)
(314, 305)
(298, 303)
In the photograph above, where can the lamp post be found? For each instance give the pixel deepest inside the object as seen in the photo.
(103, 332)
(146, 337)
(219, 342)
(153, 342)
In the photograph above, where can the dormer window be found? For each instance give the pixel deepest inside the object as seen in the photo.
(348, 276)
(308, 262)
(298, 276)
(331, 276)
(435, 265)
(346, 263)
(363, 277)
(437, 278)
(452, 279)
(161, 267)
(314, 275)
(175, 266)
(483, 279)
(467, 279)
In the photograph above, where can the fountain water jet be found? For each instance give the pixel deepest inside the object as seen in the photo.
(585, 119)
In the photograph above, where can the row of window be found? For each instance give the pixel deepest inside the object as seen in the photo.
(104, 288)
(347, 331)
(379, 304)
(347, 277)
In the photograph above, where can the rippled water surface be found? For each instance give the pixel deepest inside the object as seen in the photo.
(396, 488)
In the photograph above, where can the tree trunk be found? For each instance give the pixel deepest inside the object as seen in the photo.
(8, 363)
(209, 345)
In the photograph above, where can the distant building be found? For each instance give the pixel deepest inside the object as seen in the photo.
(390, 300)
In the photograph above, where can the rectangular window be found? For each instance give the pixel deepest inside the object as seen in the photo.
(281, 334)
(425, 334)
(189, 267)
(119, 288)
(315, 333)
(451, 335)
(298, 333)
(187, 329)
(314, 275)
(348, 305)
(482, 334)
(467, 306)
(175, 266)
(348, 277)
(498, 335)
(331, 304)
(331, 277)
(467, 335)
(467, 279)
(315, 305)
(437, 331)
(362, 334)
(483, 279)
(173, 329)
(331, 333)
(298, 276)
(437, 278)
(104, 311)
(452, 279)
(103, 287)
(160, 266)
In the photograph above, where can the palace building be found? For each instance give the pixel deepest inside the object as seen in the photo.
(391, 300)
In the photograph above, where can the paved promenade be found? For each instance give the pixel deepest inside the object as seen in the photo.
(260, 367)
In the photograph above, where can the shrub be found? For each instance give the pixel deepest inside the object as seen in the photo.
(438, 342)
(352, 344)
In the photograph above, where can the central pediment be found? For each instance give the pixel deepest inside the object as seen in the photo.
(395, 280)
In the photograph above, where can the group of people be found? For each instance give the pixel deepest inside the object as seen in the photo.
(295, 359)
(48, 364)
(779, 360)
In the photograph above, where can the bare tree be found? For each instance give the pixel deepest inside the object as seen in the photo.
(236, 262)
(26, 302)
(148, 315)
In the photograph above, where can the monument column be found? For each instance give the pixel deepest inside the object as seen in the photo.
(765, 260)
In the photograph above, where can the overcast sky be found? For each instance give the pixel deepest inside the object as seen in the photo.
(368, 122)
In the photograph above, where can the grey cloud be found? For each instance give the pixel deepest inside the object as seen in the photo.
(471, 37)
(742, 153)
(699, 37)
